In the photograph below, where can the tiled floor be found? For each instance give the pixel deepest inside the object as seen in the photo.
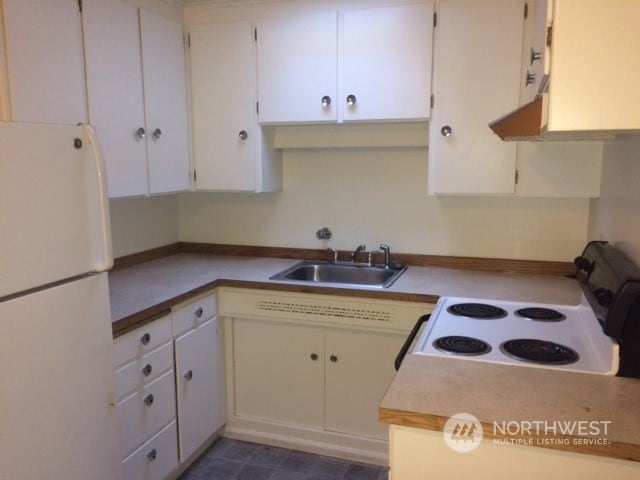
(234, 460)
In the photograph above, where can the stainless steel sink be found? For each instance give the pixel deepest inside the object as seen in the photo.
(361, 275)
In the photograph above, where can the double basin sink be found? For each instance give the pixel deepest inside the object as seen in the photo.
(341, 273)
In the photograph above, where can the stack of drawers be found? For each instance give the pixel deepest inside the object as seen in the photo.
(145, 383)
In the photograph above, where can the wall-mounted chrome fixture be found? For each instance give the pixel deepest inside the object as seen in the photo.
(323, 234)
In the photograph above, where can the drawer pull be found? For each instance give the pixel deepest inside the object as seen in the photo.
(333, 359)
(188, 375)
(199, 312)
(314, 356)
(151, 456)
(145, 339)
(148, 400)
(146, 371)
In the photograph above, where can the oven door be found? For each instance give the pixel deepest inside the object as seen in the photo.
(407, 343)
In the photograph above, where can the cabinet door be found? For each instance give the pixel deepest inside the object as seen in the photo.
(46, 66)
(279, 372)
(297, 68)
(476, 66)
(165, 101)
(223, 93)
(200, 386)
(387, 63)
(114, 84)
(359, 370)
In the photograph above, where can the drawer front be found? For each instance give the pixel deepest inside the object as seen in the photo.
(144, 370)
(142, 340)
(194, 313)
(146, 412)
(154, 460)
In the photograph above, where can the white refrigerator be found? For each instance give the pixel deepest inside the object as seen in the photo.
(57, 400)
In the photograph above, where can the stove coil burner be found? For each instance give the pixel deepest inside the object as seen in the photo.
(477, 310)
(540, 314)
(461, 345)
(539, 351)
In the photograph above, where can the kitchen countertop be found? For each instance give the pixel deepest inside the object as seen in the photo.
(426, 390)
(141, 291)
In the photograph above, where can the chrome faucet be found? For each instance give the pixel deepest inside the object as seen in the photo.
(334, 254)
(387, 255)
(354, 254)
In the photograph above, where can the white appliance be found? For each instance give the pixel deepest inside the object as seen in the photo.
(57, 412)
(516, 333)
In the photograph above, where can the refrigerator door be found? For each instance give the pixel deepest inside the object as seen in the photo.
(57, 413)
(54, 215)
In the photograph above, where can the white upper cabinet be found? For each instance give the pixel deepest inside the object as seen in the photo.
(298, 68)
(357, 65)
(140, 120)
(165, 101)
(386, 73)
(477, 58)
(231, 152)
(45, 61)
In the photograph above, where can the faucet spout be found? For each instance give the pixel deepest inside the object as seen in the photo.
(354, 254)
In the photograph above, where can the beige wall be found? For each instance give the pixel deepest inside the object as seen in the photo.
(615, 216)
(375, 196)
(139, 224)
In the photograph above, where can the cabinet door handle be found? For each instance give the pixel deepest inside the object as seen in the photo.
(140, 133)
(188, 375)
(313, 356)
(533, 56)
(326, 101)
(146, 371)
(198, 313)
(333, 358)
(151, 456)
(351, 100)
(148, 400)
(145, 339)
(446, 131)
(531, 78)
(243, 135)
(157, 133)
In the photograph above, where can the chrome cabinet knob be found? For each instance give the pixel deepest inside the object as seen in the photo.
(533, 56)
(140, 133)
(188, 375)
(446, 131)
(326, 101)
(198, 313)
(531, 78)
(333, 358)
(243, 135)
(148, 400)
(157, 133)
(151, 456)
(146, 371)
(351, 100)
(145, 339)
(314, 356)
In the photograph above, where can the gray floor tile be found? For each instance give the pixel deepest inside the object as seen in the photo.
(266, 456)
(300, 462)
(214, 469)
(254, 472)
(329, 468)
(362, 472)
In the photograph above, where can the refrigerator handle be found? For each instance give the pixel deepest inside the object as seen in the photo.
(103, 236)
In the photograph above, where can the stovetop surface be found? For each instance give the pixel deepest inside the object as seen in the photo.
(579, 331)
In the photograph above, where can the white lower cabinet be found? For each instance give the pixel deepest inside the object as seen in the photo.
(199, 382)
(156, 459)
(170, 387)
(309, 371)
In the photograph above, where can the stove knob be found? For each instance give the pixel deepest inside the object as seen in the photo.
(604, 296)
(584, 264)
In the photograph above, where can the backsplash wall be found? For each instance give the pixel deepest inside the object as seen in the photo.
(615, 216)
(375, 196)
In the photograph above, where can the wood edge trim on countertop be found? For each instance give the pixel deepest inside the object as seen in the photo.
(124, 325)
(566, 443)
(419, 260)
